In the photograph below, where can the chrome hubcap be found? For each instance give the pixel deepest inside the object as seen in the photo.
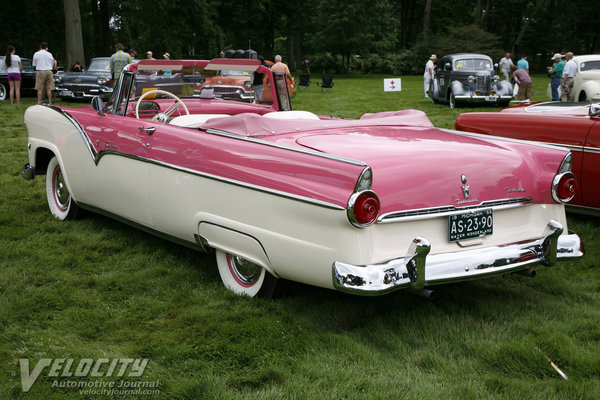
(246, 272)
(61, 194)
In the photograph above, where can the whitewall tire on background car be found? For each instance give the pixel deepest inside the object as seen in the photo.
(2, 92)
(452, 101)
(60, 201)
(245, 277)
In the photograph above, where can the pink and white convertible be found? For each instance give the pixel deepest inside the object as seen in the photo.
(363, 206)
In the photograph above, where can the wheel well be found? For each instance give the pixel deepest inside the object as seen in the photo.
(42, 158)
(582, 96)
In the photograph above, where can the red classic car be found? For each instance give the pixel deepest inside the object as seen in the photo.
(569, 125)
(357, 205)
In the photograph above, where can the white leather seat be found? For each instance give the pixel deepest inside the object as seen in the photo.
(194, 120)
(291, 115)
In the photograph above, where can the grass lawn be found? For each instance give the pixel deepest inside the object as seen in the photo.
(96, 289)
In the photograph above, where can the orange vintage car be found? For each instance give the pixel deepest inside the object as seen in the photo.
(237, 85)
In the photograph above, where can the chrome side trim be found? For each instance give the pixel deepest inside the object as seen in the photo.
(445, 211)
(97, 156)
(346, 160)
(418, 269)
(80, 129)
(594, 150)
(263, 189)
(585, 149)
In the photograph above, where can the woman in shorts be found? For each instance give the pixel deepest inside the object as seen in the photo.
(13, 68)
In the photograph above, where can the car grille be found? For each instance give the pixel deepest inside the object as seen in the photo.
(483, 84)
(428, 213)
(80, 88)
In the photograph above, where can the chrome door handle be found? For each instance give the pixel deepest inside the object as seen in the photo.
(149, 131)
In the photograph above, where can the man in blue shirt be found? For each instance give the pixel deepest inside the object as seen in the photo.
(523, 63)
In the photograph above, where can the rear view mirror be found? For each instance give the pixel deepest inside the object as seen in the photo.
(594, 109)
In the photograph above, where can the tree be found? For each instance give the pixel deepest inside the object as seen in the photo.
(73, 35)
(426, 16)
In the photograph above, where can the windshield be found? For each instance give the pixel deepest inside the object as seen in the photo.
(190, 82)
(238, 73)
(472, 64)
(590, 65)
(100, 65)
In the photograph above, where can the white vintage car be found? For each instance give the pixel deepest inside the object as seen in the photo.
(586, 84)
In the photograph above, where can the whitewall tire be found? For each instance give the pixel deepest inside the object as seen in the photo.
(60, 201)
(2, 92)
(246, 278)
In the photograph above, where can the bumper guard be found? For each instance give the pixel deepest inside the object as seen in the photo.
(417, 270)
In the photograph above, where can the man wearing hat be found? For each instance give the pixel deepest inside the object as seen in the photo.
(567, 77)
(132, 54)
(429, 72)
(555, 72)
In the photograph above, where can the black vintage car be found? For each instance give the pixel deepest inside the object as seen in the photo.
(468, 78)
(27, 78)
(95, 81)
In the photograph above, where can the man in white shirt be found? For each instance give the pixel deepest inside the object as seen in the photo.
(44, 63)
(505, 65)
(429, 72)
(567, 78)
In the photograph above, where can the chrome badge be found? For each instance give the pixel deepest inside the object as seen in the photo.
(465, 187)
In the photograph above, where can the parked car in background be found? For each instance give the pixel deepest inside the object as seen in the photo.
(569, 125)
(357, 205)
(468, 78)
(237, 85)
(94, 81)
(586, 84)
(27, 78)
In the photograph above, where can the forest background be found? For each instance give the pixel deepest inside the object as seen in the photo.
(341, 36)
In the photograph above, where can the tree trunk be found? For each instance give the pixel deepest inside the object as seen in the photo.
(426, 16)
(73, 36)
(517, 45)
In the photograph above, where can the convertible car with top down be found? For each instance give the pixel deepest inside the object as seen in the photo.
(357, 205)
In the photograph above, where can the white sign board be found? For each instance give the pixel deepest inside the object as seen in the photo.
(392, 85)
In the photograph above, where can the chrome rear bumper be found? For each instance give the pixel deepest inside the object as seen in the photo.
(417, 269)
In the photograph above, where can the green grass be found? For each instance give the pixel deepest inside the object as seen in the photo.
(95, 288)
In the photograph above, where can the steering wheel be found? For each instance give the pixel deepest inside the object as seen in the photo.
(162, 116)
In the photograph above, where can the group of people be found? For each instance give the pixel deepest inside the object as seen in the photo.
(44, 64)
(120, 59)
(561, 74)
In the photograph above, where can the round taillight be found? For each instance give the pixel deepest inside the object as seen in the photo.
(363, 208)
(564, 187)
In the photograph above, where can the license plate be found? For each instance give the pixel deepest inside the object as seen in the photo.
(491, 98)
(470, 225)
(66, 93)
